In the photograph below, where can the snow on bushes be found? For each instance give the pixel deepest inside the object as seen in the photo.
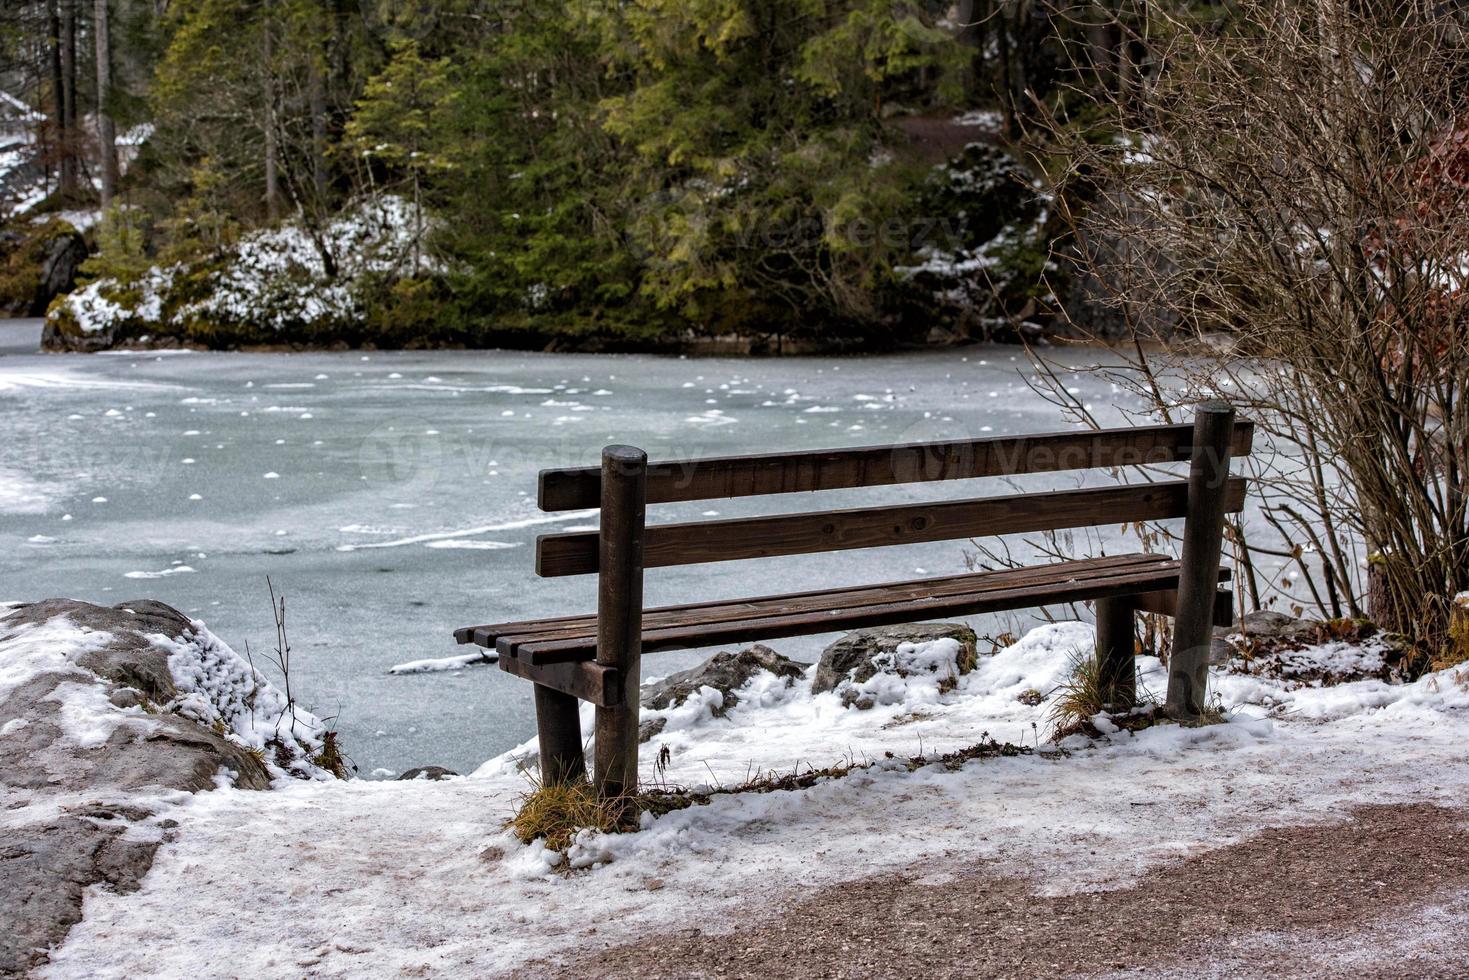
(219, 689)
(274, 284)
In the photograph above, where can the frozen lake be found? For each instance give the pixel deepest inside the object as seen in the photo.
(390, 497)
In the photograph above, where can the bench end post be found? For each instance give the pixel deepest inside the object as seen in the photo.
(1198, 582)
(558, 730)
(620, 614)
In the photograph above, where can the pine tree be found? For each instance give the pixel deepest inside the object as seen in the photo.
(399, 124)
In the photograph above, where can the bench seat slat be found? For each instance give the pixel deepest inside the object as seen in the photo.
(571, 639)
(734, 608)
(509, 642)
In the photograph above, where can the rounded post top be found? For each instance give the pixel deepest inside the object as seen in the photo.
(1214, 406)
(624, 454)
(623, 461)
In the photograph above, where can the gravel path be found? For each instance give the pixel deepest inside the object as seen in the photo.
(1383, 894)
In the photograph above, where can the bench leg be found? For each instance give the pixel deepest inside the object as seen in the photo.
(1116, 645)
(558, 723)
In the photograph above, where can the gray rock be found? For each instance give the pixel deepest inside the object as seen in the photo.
(45, 870)
(850, 658)
(64, 256)
(725, 672)
(431, 773)
(47, 863)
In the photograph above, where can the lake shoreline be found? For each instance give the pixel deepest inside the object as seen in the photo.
(689, 344)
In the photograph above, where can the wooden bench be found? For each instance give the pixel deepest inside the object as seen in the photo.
(596, 657)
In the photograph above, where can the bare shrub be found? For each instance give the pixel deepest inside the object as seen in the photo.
(1280, 217)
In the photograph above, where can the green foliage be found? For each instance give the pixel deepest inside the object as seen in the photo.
(625, 173)
(402, 116)
(121, 246)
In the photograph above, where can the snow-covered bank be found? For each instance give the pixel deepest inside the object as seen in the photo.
(373, 878)
(109, 719)
(277, 284)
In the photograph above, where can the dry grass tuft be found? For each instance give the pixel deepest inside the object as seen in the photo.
(1081, 698)
(555, 812)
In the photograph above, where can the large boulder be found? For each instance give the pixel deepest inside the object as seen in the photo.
(106, 714)
(859, 656)
(37, 264)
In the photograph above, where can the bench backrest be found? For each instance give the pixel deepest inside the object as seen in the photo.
(574, 553)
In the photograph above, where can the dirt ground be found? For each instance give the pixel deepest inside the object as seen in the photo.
(1383, 894)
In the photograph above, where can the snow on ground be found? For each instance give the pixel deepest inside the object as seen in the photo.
(376, 878)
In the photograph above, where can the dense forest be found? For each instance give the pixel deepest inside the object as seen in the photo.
(782, 172)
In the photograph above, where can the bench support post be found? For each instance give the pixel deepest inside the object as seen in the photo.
(1116, 648)
(1198, 580)
(558, 725)
(620, 614)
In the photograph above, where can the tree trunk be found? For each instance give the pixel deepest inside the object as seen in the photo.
(1458, 651)
(106, 130)
(316, 83)
(69, 77)
(1383, 607)
(58, 92)
(272, 149)
(417, 221)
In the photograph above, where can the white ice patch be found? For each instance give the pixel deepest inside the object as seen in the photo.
(470, 532)
(473, 545)
(443, 663)
(161, 573)
(25, 378)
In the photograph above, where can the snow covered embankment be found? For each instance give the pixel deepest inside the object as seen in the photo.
(421, 878)
(274, 285)
(110, 718)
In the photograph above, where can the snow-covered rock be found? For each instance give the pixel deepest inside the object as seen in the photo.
(108, 717)
(851, 663)
(1302, 651)
(725, 673)
(715, 683)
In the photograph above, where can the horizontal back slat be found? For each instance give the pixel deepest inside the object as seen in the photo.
(575, 553)
(876, 466)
